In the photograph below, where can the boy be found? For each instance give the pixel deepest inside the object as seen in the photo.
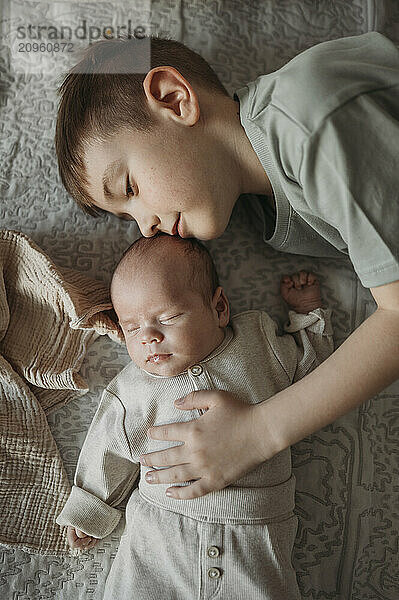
(317, 141)
(175, 319)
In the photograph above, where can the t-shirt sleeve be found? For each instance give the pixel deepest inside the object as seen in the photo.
(350, 178)
(105, 472)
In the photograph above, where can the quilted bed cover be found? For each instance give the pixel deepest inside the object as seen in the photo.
(347, 496)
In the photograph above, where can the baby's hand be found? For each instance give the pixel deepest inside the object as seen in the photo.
(301, 291)
(78, 539)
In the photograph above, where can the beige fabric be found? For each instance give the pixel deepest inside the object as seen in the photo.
(48, 316)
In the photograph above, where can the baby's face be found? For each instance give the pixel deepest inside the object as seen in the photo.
(166, 328)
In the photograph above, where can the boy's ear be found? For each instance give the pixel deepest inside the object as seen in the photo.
(221, 304)
(170, 95)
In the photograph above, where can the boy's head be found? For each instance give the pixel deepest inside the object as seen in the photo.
(171, 309)
(152, 146)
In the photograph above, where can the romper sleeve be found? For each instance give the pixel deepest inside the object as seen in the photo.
(307, 342)
(105, 472)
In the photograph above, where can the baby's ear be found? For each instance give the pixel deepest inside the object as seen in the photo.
(221, 304)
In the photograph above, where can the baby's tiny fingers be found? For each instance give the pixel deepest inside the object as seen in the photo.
(80, 534)
(295, 278)
(90, 542)
(303, 277)
(286, 282)
(311, 279)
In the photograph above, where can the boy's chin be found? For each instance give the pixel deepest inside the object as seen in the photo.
(205, 237)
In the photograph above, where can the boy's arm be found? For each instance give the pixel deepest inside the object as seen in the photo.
(105, 473)
(365, 364)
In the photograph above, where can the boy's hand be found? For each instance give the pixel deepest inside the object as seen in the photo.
(78, 539)
(301, 291)
(212, 454)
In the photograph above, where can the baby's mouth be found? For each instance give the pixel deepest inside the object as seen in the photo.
(157, 358)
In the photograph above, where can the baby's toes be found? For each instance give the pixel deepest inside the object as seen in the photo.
(311, 279)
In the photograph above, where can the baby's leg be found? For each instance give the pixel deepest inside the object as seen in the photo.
(258, 561)
(157, 556)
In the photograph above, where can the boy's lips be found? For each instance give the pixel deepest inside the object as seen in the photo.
(178, 227)
(174, 229)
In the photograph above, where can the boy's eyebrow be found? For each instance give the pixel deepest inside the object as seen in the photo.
(108, 176)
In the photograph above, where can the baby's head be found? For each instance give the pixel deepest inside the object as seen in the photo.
(171, 309)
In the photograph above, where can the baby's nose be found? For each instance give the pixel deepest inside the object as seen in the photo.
(150, 334)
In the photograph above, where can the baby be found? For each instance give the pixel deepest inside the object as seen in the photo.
(236, 542)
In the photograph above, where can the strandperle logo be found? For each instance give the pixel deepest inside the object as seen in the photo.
(49, 36)
(83, 31)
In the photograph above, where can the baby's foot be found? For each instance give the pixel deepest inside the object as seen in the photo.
(301, 291)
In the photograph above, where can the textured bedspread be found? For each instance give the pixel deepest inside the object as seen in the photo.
(347, 474)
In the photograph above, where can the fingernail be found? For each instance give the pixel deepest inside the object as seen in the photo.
(168, 493)
(149, 477)
(179, 401)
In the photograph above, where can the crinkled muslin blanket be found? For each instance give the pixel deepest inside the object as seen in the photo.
(48, 317)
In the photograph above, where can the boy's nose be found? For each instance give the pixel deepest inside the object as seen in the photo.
(148, 225)
(150, 335)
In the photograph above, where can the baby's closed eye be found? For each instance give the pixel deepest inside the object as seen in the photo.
(166, 320)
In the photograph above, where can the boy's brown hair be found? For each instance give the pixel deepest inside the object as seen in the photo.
(97, 100)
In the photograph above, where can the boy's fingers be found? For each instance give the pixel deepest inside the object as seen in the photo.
(162, 458)
(188, 492)
(178, 474)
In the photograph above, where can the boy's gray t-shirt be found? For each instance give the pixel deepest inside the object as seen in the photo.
(326, 129)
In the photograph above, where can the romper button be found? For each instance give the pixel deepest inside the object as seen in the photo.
(196, 370)
(213, 551)
(214, 573)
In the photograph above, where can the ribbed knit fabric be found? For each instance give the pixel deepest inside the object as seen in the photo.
(252, 362)
(48, 316)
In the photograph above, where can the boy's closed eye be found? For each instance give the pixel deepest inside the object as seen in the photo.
(129, 188)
